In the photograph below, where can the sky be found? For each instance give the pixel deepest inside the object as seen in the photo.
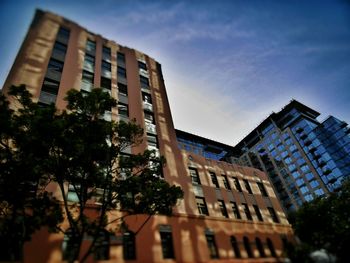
(227, 65)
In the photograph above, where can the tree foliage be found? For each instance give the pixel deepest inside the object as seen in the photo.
(85, 157)
(323, 223)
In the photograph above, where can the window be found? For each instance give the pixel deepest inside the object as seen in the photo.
(262, 189)
(121, 72)
(122, 89)
(106, 66)
(223, 208)
(271, 247)
(129, 246)
(146, 98)
(60, 47)
(260, 247)
(50, 86)
(214, 180)
(257, 212)
(102, 246)
(152, 140)
(90, 46)
(55, 65)
(70, 246)
(120, 57)
(202, 206)
(123, 109)
(142, 65)
(149, 117)
(106, 53)
(246, 211)
(237, 184)
(63, 33)
(213, 251)
(144, 82)
(106, 83)
(194, 176)
(226, 183)
(235, 247)
(167, 243)
(235, 210)
(273, 214)
(89, 63)
(247, 247)
(88, 77)
(247, 186)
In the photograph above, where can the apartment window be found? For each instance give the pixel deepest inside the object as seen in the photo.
(106, 66)
(120, 57)
(194, 176)
(60, 47)
(214, 180)
(223, 208)
(129, 246)
(121, 72)
(235, 247)
(122, 89)
(260, 247)
(102, 246)
(247, 247)
(202, 206)
(237, 184)
(258, 213)
(123, 109)
(213, 250)
(142, 65)
(69, 246)
(146, 98)
(262, 189)
(235, 210)
(106, 53)
(55, 65)
(149, 117)
(63, 33)
(152, 140)
(89, 63)
(106, 83)
(144, 82)
(226, 183)
(167, 243)
(90, 46)
(50, 86)
(88, 77)
(271, 247)
(247, 211)
(247, 186)
(273, 214)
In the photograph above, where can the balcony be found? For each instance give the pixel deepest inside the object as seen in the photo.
(47, 98)
(151, 128)
(147, 106)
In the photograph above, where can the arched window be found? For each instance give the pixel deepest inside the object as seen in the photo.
(247, 247)
(70, 246)
(271, 247)
(102, 246)
(129, 247)
(260, 247)
(235, 247)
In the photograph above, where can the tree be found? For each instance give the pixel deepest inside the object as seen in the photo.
(78, 150)
(323, 224)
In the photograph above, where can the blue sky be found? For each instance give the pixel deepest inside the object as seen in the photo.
(227, 64)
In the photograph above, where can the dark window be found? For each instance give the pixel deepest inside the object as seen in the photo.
(102, 246)
(146, 97)
(90, 45)
(70, 246)
(152, 140)
(129, 247)
(194, 176)
(122, 89)
(106, 66)
(142, 65)
(167, 244)
(273, 214)
(260, 247)
(121, 72)
(237, 184)
(257, 212)
(235, 247)
(149, 117)
(144, 82)
(123, 109)
(106, 83)
(262, 189)
(63, 33)
(271, 247)
(235, 210)
(55, 65)
(88, 77)
(247, 212)
(213, 251)
(60, 47)
(202, 206)
(247, 186)
(226, 183)
(50, 86)
(247, 247)
(214, 180)
(120, 57)
(89, 62)
(223, 208)
(106, 53)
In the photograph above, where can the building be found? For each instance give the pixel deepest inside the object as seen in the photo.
(304, 158)
(229, 212)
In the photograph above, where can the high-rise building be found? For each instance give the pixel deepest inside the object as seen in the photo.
(229, 211)
(304, 158)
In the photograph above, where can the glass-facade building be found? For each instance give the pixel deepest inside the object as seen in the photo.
(303, 157)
